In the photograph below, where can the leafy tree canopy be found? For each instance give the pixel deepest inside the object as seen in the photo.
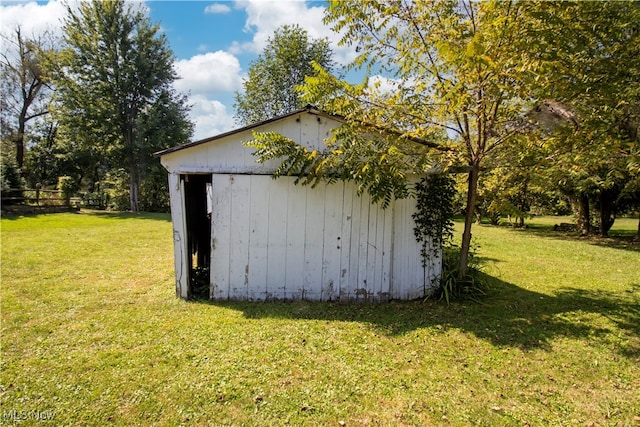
(588, 54)
(453, 86)
(24, 93)
(460, 77)
(113, 76)
(269, 90)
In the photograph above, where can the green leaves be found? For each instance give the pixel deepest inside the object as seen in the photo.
(434, 215)
(270, 88)
(377, 161)
(114, 99)
(461, 76)
(296, 159)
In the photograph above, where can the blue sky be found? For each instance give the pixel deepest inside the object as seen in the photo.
(193, 29)
(213, 41)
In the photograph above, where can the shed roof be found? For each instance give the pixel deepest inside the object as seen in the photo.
(307, 109)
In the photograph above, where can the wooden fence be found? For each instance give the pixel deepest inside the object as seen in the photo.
(35, 197)
(51, 199)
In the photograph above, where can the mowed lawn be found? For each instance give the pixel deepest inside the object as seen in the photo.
(92, 334)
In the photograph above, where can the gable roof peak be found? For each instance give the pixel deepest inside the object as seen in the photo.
(310, 109)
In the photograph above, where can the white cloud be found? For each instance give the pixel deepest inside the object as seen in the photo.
(210, 73)
(210, 117)
(217, 8)
(33, 19)
(264, 16)
(208, 79)
(238, 48)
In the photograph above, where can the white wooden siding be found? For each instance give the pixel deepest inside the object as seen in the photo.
(409, 279)
(229, 155)
(180, 250)
(271, 239)
(222, 221)
(286, 241)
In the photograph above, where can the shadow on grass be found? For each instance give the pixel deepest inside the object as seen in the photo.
(509, 317)
(617, 239)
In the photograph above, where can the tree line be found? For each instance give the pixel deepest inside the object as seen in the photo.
(99, 106)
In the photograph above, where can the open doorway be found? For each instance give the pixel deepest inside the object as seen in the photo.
(197, 201)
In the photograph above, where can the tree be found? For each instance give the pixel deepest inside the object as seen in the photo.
(512, 183)
(43, 161)
(115, 69)
(630, 195)
(449, 68)
(24, 92)
(161, 126)
(588, 55)
(269, 90)
(471, 69)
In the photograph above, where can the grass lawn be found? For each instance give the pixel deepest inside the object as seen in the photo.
(92, 334)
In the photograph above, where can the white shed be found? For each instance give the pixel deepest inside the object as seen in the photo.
(256, 238)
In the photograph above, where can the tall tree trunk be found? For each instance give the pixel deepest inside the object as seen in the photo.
(472, 194)
(607, 213)
(637, 239)
(18, 139)
(134, 187)
(584, 218)
(134, 174)
(19, 142)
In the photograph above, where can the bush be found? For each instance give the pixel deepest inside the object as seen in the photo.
(67, 185)
(154, 192)
(434, 214)
(95, 200)
(116, 187)
(451, 286)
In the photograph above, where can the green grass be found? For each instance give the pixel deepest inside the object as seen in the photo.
(92, 332)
